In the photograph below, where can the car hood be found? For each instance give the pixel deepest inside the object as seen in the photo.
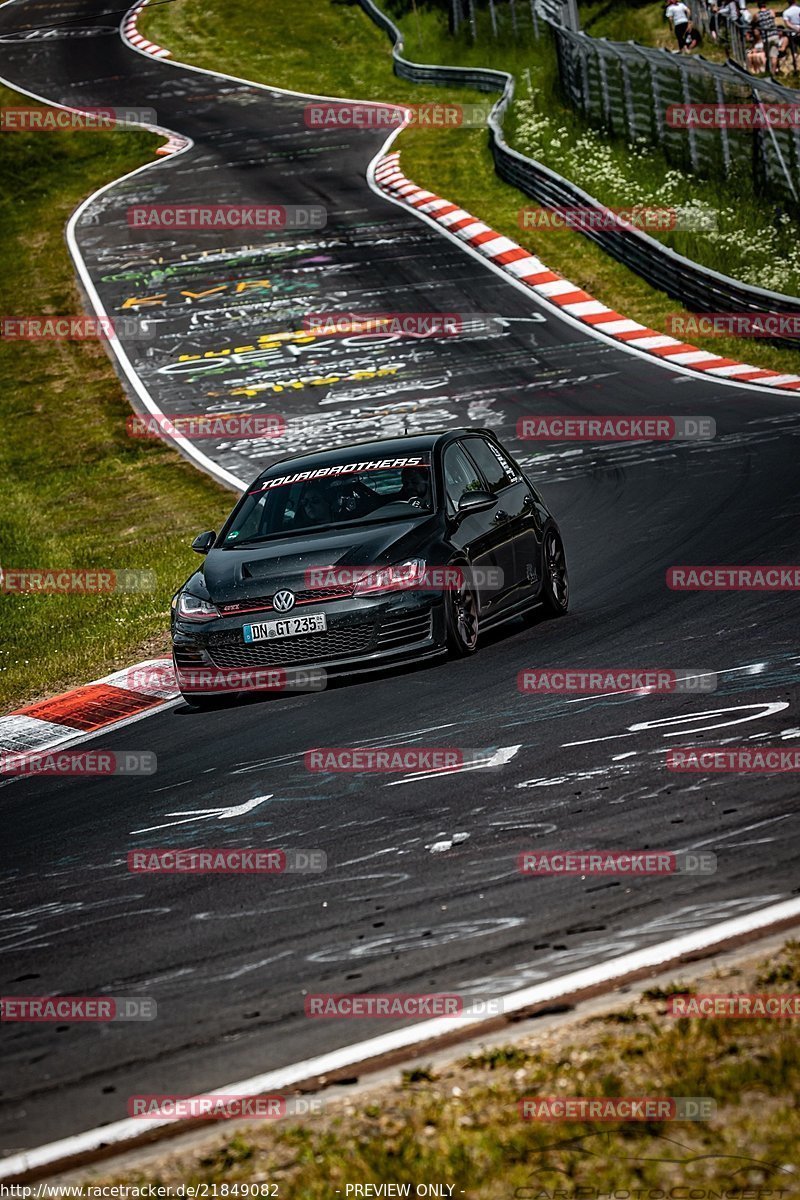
(260, 569)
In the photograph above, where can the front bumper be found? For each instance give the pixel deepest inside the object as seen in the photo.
(362, 634)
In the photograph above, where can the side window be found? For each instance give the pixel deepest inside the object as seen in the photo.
(459, 476)
(492, 462)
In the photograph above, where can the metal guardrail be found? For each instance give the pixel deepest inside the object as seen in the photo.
(698, 288)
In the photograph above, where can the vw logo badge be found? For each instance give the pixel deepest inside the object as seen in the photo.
(283, 601)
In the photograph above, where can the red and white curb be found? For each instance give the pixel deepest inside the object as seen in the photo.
(141, 43)
(106, 702)
(528, 269)
(173, 144)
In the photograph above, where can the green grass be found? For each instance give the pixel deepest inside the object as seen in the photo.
(352, 57)
(459, 1124)
(77, 491)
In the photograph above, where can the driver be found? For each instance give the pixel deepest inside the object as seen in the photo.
(315, 505)
(416, 488)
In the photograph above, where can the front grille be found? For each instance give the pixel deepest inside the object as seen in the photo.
(402, 631)
(308, 648)
(307, 596)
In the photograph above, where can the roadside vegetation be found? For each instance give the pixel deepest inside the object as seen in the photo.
(77, 491)
(458, 1124)
(352, 58)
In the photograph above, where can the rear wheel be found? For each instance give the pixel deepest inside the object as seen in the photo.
(462, 620)
(555, 588)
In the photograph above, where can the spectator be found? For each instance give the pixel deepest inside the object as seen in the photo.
(765, 19)
(780, 53)
(678, 14)
(757, 57)
(693, 39)
(713, 25)
(791, 19)
(728, 15)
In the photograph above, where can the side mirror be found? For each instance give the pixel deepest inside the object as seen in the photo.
(204, 541)
(475, 502)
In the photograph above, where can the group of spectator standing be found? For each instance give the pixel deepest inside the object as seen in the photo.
(768, 44)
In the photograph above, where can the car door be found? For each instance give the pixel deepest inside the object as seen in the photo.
(481, 538)
(517, 515)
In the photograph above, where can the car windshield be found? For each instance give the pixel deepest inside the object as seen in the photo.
(343, 494)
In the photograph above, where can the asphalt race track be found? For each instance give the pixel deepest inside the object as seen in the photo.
(228, 959)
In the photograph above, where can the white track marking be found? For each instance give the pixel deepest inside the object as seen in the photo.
(119, 1132)
(498, 759)
(208, 814)
(766, 709)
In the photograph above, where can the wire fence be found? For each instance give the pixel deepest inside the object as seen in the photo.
(638, 93)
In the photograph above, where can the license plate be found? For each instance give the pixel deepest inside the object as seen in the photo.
(267, 631)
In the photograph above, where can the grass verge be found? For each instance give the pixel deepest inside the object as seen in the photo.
(351, 57)
(458, 1124)
(77, 491)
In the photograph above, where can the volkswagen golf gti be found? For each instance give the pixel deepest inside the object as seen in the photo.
(364, 556)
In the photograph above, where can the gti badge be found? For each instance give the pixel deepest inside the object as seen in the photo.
(283, 601)
(531, 573)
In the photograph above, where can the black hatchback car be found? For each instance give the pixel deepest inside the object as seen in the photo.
(367, 555)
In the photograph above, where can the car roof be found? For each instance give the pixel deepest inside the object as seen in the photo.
(380, 448)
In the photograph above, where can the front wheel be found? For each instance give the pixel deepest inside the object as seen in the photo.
(200, 702)
(462, 620)
(555, 588)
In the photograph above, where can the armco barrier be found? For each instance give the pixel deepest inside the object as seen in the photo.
(696, 287)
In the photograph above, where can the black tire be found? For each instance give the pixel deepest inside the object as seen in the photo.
(461, 608)
(202, 703)
(555, 587)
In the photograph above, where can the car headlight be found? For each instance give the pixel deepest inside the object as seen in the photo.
(401, 577)
(191, 608)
